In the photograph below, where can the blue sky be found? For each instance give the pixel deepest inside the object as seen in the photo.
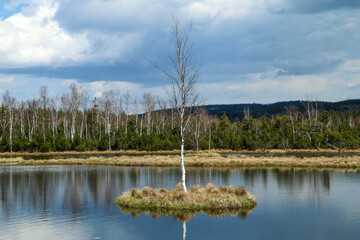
(251, 50)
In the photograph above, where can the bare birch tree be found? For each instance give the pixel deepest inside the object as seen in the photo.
(149, 105)
(198, 126)
(76, 96)
(136, 110)
(127, 105)
(183, 78)
(32, 116)
(22, 117)
(44, 103)
(118, 108)
(107, 107)
(54, 109)
(9, 102)
(293, 112)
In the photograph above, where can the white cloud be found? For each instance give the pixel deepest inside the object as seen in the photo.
(24, 87)
(37, 40)
(5, 80)
(34, 38)
(270, 87)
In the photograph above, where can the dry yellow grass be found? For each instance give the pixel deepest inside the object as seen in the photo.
(210, 199)
(204, 152)
(87, 152)
(197, 161)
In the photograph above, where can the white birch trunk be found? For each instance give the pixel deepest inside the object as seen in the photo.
(86, 128)
(141, 123)
(148, 123)
(183, 174)
(11, 130)
(184, 231)
(73, 119)
(29, 123)
(126, 124)
(22, 129)
(82, 126)
(108, 131)
(209, 140)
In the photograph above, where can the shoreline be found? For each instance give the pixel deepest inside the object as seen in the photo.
(214, 160)
(145, 152)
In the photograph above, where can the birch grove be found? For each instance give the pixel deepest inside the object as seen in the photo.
(154, 123)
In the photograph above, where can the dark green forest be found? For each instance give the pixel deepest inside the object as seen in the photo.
(121, 122)
(236, 111)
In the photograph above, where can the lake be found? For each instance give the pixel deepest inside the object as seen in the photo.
(77, 202)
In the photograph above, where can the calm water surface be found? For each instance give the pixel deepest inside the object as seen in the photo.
(76, 202)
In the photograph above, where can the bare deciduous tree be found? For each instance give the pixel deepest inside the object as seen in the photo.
(293, 112)
(32, 116)
(136, 110)
(149, 105)
(22, 109)
(199, 126)
(107, 107)
(127, 106)
(76, 96)
(44, 103)
(183, 78)
(9, 102)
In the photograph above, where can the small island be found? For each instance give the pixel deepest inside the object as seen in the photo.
(210, 199)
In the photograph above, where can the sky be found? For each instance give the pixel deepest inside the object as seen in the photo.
(260, 51)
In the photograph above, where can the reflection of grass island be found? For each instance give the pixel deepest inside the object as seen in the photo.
(210, 199)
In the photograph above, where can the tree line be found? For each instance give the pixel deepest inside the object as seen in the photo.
(118, 121)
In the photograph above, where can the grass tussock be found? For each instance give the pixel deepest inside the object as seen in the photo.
(209, 199)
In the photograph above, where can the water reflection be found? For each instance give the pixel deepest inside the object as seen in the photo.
(293, 181)
(78, 201)
(183, 237)
(76, 189)
(184, 217)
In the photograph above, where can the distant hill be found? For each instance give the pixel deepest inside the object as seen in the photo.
(236, 111)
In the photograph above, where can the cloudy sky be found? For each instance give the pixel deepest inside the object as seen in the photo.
(250, 50)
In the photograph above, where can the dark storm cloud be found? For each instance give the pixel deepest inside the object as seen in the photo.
(297, 44)
(315, 6)
(145, 76)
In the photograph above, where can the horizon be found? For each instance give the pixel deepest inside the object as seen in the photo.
(299, 100)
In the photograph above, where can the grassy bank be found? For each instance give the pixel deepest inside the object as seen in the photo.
(205, 152)
(192, 160)
(209, 199)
